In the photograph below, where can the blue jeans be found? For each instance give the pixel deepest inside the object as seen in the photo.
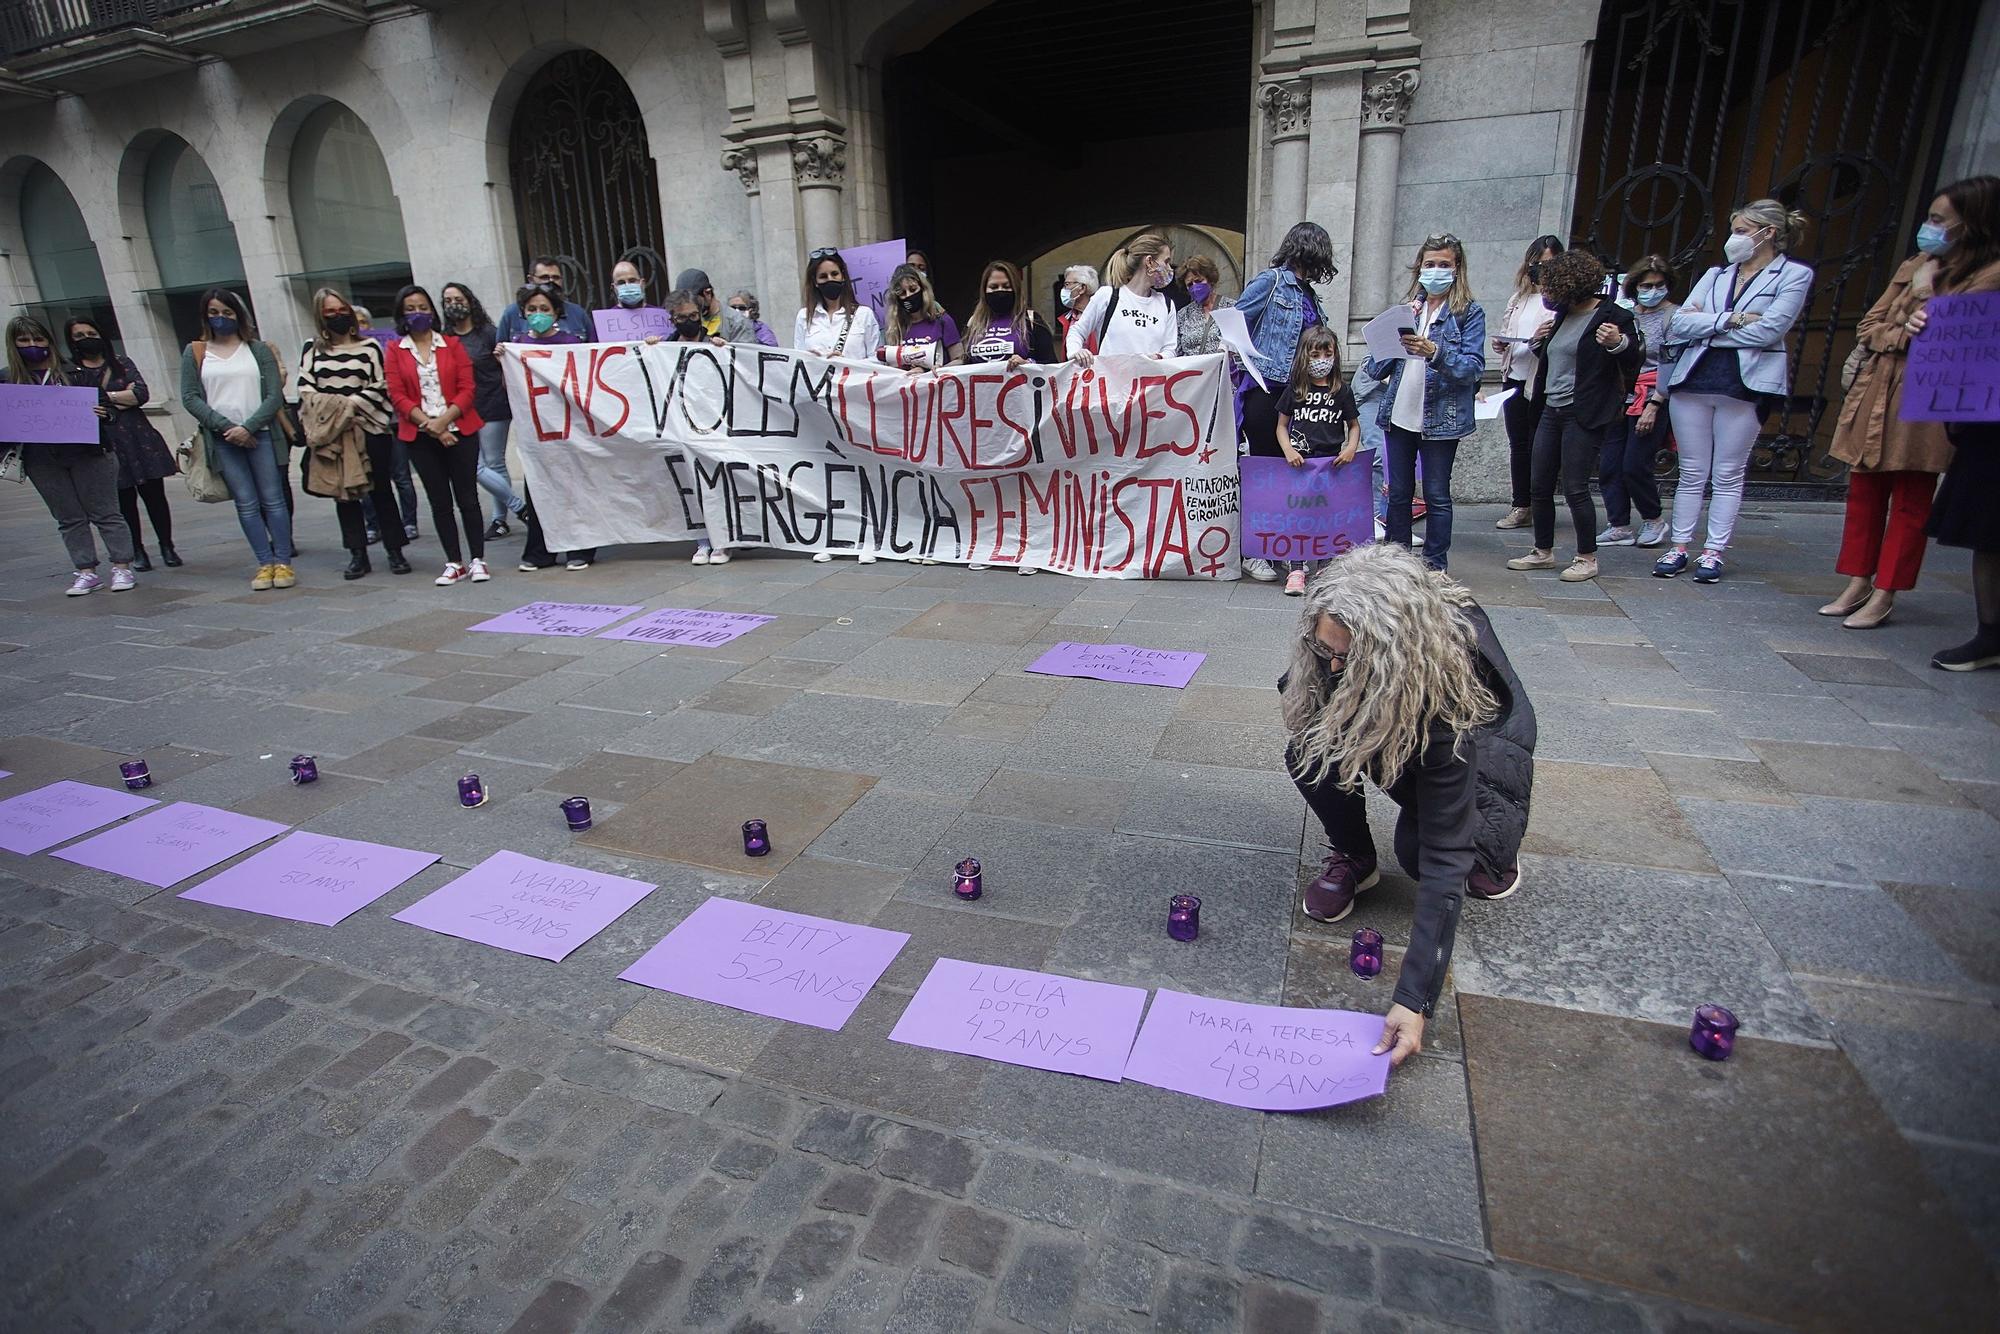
(493, 468)
(406, 489)
(257, 484)
(1404, 446)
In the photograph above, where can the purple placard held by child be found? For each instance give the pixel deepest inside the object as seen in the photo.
(166, 846)
(556, 618)
(312, 878)
(1066, 1024)
(49, 414)
(680, 625)
(788, 965)
(1120, 662)
(49, 815)
(1312, 512)
(1274, 1058)
(533, 907)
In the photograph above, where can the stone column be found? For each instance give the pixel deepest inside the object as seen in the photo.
(819, 166)
(743, 161)
(1385, 106)
(1288, 113)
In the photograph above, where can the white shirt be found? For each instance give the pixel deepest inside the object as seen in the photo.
(1525, 314)
(816, 331)
(1408, 409)
(1141, 326)
(232, 382)
(428, 389)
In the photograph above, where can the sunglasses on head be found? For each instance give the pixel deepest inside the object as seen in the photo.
(1440, 240)
(824, 252)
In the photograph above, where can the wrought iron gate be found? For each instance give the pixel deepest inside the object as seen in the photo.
(1836, 107)
(586, 189)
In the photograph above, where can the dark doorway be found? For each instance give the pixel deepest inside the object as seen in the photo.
(1032, 122)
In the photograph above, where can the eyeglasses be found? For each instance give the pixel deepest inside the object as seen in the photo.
(1324, 653)
(824, 252)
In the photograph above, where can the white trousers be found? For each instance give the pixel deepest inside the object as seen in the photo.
(1715, 434)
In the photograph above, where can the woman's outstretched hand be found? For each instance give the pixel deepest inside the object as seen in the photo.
(1402, 1034)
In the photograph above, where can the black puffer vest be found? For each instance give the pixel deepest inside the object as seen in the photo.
(1505, 750)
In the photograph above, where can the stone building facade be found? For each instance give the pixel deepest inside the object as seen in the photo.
(150, 148)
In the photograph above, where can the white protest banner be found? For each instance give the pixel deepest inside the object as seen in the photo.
(1125, 469)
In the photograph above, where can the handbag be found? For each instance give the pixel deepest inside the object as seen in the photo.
(12, 468)
(204, 483)
(1857, 362)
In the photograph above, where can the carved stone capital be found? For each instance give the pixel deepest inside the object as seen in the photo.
(1287, 109)
(1386, 105)
(742, 161)
(819, 159)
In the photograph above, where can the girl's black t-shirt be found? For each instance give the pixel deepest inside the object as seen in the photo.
(1319, 418)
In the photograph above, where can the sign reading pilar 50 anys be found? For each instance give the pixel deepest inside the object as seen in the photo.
(1125, 469)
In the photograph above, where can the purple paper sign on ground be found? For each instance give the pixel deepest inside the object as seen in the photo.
(1314, 512)
(312, 878)
(166, 846)
(787, 965)
(1067, 1024)
(1953, 374)
(1271, 1057)
(38, 414)
(528, 906)
(1119, 662)
(556, 618)
(680, 625)
(49, 815)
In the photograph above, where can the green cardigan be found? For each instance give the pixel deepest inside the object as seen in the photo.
(195, 398)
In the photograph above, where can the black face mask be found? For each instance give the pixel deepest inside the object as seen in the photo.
(90, 347)
(687, 329)
(832, 289)
(1535, 272)
(343, 323)
(1000, 303)
(912, 303)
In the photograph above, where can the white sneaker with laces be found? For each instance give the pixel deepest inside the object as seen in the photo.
(822, 557)
(1652, 532)
(122, 579)
(454, 573)
(1261, 571)
(480, 574)
(576, 563)
(866, 558)
(718, 558)
(1027, 569)
(700, 556)
(1617, 536)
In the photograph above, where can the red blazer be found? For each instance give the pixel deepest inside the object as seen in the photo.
(454, 377)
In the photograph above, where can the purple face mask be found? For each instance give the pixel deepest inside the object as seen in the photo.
(419, 321)
(32, 353)
(1199, 290)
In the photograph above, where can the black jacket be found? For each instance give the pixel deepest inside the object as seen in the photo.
(1603, 379)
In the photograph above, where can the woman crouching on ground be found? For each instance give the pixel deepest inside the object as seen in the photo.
(1397, 677)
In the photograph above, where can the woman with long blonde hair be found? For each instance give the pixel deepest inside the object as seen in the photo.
(1396, 677)
(1130, 315)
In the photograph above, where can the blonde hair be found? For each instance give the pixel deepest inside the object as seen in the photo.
(1788, 225)
(898, 323)
(1412, 665)
(17, 369)
(1459, 295)
(1124, 260)
(319, 318)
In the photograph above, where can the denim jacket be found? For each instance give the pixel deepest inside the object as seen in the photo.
(1450, 378)
(1274, 305)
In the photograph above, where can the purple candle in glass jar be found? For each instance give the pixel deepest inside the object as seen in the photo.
(756, 839)
(1366, 955)
(576, 810)
(1714, 1032)
(137, 775)
(305, 769)
(1183, 917)
(471, 792)
(965, 879)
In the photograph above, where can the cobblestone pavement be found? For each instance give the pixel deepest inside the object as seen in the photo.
(218, 1121)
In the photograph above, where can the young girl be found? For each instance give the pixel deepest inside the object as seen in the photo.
(1317, 419)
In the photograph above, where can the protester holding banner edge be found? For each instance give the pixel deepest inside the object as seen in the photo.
(546, 270)
(539, 303)
(832, 323)
(1130, 315)
(921, 334)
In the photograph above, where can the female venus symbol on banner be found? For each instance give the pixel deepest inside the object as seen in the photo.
(1215, 561)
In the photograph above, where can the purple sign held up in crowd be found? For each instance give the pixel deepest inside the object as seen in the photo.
(788, 965)
(166, 846)
(1275, 1058)
(50, 815)
(525, 905)
(680, 625)
(622, 325)
(1313, 512)
(1125, 663)
(1067, 1024)
(1953, 371)
(869, 266)
(312, 878)
(49, 414)
(556, 618)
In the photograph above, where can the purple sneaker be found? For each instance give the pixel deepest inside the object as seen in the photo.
(86, 582)
(1483, 886)
(1331, 897)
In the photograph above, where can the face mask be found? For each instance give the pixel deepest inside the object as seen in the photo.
(630, 294)
(32, 353)
(830, 290)
(912, 303)
(1075, 298)
(1198, 291)
(90, 347)
(1164, 278)
(1435, 281)
(688, 328)
(454, 311)
(1320, 367)
(540, 321)
(744, 311)
(1535, 272)
(1932, 239)
(1739, 247)
(341, 323)
(553, 284)
(1000, 303)
(1652, 296)
(418, 321)
(222, 326)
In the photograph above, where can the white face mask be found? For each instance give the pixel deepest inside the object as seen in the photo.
(1739, 246)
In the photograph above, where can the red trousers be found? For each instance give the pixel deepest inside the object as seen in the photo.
(1884, 536)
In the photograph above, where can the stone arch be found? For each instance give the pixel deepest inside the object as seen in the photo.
(172, 286)
(368, 278)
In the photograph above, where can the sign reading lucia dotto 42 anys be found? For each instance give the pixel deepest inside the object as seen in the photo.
(1124, 469)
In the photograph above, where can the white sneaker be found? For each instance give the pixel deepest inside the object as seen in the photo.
(1617, 536)
(480, 574)
(122, 579)
(866, 558)
(718, 558)
(822, 557)
(1652, 532)
(1381, 531)
(576, 563)
(1261, 571)
(1027, 569)
(978, 565)
(700, 556)
(527, 567)
(454, 573)
(86, 582)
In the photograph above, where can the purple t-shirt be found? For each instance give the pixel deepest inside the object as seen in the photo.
(939, 332)
(1000, 341)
